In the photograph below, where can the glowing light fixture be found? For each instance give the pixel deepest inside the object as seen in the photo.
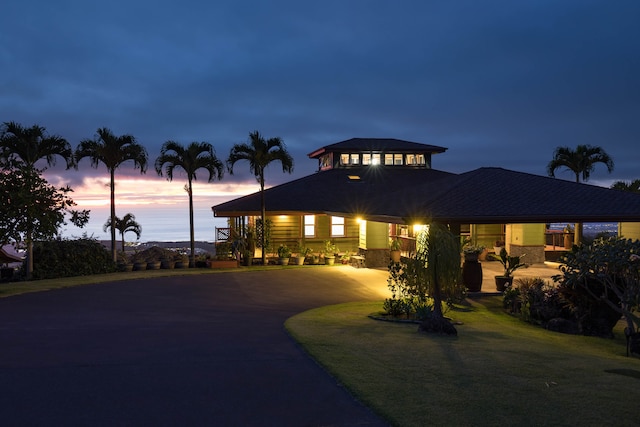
(419, 228)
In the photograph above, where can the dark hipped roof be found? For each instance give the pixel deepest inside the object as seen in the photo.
(333, 191)
(496, 195)
(481, 196)
(388, 145)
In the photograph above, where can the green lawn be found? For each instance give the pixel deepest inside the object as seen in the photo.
(497, 371)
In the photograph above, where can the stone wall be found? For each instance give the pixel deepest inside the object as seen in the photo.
(534, 253)
(375, 258)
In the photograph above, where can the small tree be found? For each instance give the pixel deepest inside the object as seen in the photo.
(434, 273)
(32, 209)
(608, 271)
(127, 223)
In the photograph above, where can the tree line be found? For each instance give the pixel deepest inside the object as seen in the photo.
(32, 209)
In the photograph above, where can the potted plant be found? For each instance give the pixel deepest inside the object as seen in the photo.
(395, 247)
(472, 269)
(472, 252)
(302, 255)
(167, 263)
(510, 264)
(329, 253)
(284, 253)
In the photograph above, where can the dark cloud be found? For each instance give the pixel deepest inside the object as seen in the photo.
(501, 83)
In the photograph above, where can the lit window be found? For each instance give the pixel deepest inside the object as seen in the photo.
(366, 159)
(411, 159)
(309, 226)
(325, 162)
(337, 226)
(344, 159)
(397, 159)
(355, 159)
(420, 159)
(375, 159)
(388, 159)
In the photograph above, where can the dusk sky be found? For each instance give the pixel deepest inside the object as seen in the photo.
(499, 83)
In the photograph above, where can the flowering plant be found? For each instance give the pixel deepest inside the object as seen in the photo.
(473, 250)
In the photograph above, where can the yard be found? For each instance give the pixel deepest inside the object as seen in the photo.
(498, 371)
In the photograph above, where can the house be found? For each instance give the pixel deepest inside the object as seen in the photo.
(368, 190)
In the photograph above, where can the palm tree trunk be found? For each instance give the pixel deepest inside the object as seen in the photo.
(577, 227)
(192, 257)
(113, 216)
(264, 224)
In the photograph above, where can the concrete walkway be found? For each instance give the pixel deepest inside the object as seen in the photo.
(490, 269)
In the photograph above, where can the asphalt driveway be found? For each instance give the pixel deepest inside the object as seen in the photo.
(193, 350)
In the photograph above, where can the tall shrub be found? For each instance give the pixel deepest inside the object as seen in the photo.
(66, 258)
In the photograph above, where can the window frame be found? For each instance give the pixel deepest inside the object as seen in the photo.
(338, 226)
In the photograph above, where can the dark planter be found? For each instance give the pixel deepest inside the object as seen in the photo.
(471, 257)
(137, 266)
(502, 282)
(166, 264)
(472, 275)
(125, 266)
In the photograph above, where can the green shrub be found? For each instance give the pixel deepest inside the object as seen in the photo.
(601, 283)
(66, 258)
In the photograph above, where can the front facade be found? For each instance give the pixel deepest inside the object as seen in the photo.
(367, 191)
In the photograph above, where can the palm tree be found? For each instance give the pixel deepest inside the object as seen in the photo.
(113, 151)
(195, 156)
(259, 153)
(27, 146)
(128, 223)
(581, 162)
(633, 186)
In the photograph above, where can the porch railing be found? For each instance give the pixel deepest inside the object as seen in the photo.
(223, 234)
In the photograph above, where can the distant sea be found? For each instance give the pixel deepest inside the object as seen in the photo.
(591, 229)
(159, 224)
